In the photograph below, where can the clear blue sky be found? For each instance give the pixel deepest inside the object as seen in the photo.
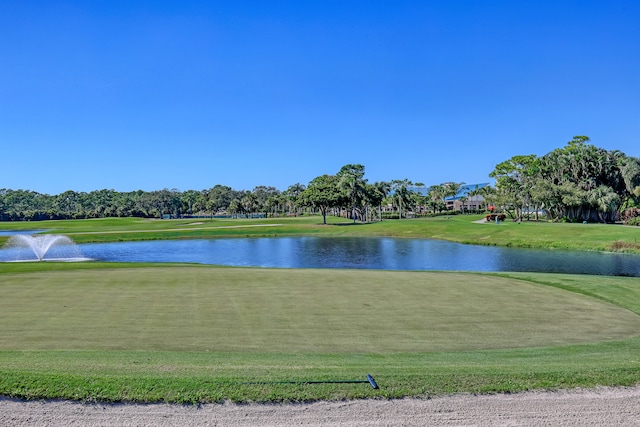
(148, 95)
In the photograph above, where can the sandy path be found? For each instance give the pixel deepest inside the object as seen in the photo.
(598, 407)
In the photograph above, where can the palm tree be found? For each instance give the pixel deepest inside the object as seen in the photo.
(250, 203)
(452, 188)
(234, 208)
(630, 171)
(606, 202)
(401, 195)
(375, 194)
(293, 196)
(473, 196)
(419, 201)
(463, 200)
(436, 195)
(351, 181)
(188, 199)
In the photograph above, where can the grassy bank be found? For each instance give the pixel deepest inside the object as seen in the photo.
(200, 334)
(460, 228)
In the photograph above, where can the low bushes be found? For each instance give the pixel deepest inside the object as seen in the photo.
(631, 216)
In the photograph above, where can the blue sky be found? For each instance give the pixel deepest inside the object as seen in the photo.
(130, 95)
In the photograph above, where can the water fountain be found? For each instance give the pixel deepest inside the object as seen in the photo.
(55, 247)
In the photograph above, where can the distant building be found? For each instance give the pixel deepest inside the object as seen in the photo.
(463, 201)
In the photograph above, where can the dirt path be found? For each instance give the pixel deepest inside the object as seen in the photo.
(598, 407)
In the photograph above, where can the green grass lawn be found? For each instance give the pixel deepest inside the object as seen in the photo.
(97, 331)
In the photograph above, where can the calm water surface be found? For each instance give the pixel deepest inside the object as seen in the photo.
(364, 253)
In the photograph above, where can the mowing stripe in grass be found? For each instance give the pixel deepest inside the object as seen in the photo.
(324, 311)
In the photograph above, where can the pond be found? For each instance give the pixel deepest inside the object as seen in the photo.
(364, 253)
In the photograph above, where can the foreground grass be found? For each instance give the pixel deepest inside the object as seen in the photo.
(205, 334)
(460, 228)
(200, 377)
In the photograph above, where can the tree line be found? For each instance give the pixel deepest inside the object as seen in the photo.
(347, 193)
(16, 205)
(579, 182)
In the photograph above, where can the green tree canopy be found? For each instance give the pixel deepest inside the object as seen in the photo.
(578, 182)
(351, 181)
(322, 193)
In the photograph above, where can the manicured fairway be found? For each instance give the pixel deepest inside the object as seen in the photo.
(324, 311)
(119, 332)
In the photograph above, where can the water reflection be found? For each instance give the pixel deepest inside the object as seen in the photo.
(364, 253)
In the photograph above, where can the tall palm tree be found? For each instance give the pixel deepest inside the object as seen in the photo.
(436, 195)
(352, 182)
(401, 195)
(249, 203)
(452, 188)
(375, 194)
(473, 195)
(293, 195)
(234, 208)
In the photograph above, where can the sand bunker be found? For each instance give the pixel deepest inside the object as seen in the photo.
(601, 406)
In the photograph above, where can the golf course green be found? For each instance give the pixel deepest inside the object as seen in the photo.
(192, 333)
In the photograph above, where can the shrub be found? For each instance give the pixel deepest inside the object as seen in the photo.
(631, 216)
(634, 221)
